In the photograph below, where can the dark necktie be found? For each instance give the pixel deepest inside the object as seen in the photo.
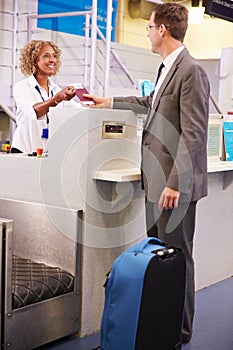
(159, 72)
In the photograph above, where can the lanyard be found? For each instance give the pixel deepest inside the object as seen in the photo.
(38, 89)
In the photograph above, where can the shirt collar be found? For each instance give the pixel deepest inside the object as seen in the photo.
(33, 82)
(170, 59)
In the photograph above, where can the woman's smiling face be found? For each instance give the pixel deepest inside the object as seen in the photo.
(47, 60)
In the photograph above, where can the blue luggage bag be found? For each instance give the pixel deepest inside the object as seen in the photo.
(144, 298)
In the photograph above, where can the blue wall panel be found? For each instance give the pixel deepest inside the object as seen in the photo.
(76, 24)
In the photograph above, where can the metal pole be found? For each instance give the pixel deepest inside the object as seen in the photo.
(61, 14)
(93, 46)
(13, 69)
(14, 45)
(29, 28)
(216, 105)
(108, 47)
(8, 112)
(86, 51)
(131, 79)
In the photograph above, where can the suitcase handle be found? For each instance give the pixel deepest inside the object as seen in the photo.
(164, 253)
(147, 241)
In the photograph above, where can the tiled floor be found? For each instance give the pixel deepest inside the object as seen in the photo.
(213, 323)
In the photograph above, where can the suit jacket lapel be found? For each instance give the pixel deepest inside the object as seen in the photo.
(166, 81)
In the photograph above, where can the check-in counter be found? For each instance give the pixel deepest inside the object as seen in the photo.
(213, 244)
(82, 145)
(93, 165)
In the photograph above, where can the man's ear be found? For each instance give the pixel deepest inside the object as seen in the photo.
(162, 30)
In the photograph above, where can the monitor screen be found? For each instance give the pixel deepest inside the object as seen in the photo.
(219, 8)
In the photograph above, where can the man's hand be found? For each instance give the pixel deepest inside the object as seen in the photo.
(100, 102)
(169, 199)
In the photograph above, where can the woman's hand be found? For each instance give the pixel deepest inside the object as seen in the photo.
(65, 94)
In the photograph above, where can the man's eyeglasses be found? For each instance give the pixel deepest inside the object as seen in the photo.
(149, 27)
(156, 26)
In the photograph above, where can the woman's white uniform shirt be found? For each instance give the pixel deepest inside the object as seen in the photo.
(27, 136)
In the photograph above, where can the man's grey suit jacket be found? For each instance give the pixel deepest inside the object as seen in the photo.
(174, 141)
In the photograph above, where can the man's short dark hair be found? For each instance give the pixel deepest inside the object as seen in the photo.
(174, 16)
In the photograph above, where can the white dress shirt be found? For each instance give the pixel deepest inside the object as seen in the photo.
(27, 136)
(168, 62)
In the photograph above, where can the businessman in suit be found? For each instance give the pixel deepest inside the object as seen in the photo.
(174, 141)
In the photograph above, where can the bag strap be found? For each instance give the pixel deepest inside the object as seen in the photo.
(148, 241)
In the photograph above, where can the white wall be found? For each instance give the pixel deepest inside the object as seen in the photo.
(225, 73)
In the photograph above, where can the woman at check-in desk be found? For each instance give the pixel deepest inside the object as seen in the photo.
(35, 95)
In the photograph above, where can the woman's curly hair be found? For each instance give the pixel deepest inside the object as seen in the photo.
(30, 54)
